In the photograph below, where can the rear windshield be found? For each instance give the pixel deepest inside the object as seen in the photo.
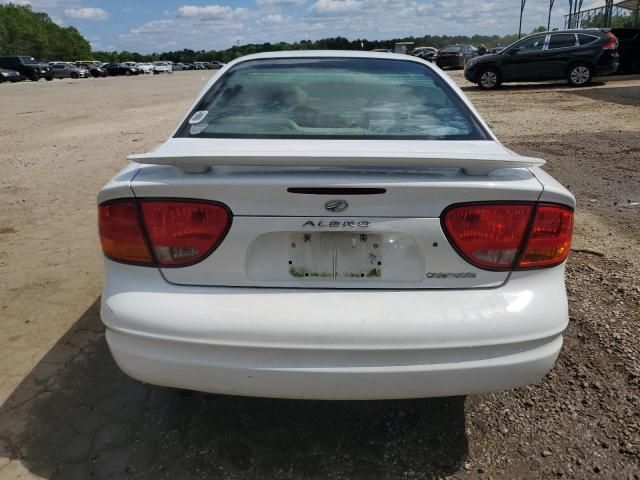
(451, 49)
(331, 98)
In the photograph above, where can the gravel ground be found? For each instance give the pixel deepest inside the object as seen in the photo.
(68, 412)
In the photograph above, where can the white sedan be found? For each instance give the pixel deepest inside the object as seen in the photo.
(162, 67)
(334, 225)
(145, 67)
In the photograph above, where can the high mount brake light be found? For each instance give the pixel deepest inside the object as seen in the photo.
(164, 233)
(506, 236)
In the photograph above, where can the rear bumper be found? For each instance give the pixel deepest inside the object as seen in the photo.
(457, 62)
(334, 344)
(604, 70)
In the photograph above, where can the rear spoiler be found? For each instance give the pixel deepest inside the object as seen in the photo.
(472, 164)
(195, 160)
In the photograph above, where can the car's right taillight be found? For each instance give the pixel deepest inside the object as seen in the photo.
(159, 232)
(506, 236)
(184, 232)
(612, 42)
(121, 234)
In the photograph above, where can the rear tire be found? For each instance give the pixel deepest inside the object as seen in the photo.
(489, 78)
(579, 75)
(74, 75)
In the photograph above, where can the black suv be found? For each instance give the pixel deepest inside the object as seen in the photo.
(574, 55)
(454, 56)
(28, 67)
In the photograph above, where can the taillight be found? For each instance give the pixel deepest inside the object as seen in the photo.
(510, 235)
(121, 234)
(612, 42)
(184, 232)
(178, 232)
(549, 239)
(488, 235)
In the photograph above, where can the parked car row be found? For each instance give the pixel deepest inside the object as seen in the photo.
(21, 67)
(576, 55)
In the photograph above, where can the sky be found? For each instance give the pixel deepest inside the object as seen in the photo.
(154, 26)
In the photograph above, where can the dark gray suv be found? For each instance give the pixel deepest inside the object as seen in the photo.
(574, 55)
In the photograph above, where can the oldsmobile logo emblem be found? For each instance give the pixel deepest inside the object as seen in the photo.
(336, 205)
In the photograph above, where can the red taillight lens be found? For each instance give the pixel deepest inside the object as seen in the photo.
(492, 236)
(612, 42)
(121, 235)
(184, 232)
(488, 236)
(549, 239)
(180, 233)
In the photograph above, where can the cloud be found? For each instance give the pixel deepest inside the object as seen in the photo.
(211, 11)
(273, 18)
(86, 13)
(332, 7)
(280, 3)
(218, 26)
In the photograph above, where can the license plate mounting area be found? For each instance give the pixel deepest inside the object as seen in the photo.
(336, 256)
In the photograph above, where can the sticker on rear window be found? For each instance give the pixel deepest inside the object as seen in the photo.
(196, 129)
(198, 116)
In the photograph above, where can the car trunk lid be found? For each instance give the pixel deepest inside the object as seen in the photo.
(338, 226)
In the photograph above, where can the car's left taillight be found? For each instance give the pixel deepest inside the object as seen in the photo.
(159, 232)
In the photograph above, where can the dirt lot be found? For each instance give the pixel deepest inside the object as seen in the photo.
(68, 412)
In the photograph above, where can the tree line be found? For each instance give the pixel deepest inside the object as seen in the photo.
(334, 43)
(25, 32)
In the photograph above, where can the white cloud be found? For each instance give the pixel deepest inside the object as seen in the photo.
(333, 7)
(86, 13)
(44, 4)
(211, 11)
(282, 3)
(273, 18)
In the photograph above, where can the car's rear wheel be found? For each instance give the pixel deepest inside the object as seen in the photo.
(74, 75)
(489, 78)
(579, 75)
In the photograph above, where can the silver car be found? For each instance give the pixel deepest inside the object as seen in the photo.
(65, 70)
